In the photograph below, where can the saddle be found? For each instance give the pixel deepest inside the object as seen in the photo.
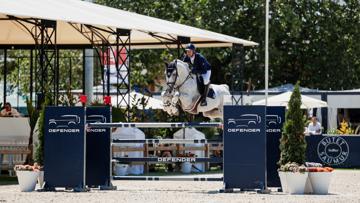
(200, 86)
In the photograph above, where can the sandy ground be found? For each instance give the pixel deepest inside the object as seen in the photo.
(345, 187)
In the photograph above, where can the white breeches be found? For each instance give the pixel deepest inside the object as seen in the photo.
(206, 76)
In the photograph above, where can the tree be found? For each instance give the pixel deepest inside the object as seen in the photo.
(292, 142)
(315, 42)
(39, 152)
(310, 41)
(33, 118)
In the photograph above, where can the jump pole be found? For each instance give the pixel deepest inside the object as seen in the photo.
(159, 178)
(157, 125)
(168, 141)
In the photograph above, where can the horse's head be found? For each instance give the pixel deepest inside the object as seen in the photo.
(176, 72)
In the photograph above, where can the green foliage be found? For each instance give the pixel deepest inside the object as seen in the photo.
(68, 99)
(33, 118)
(292, 142)
(18, 71)
(33, 114)
(39, 153)
(310, 41)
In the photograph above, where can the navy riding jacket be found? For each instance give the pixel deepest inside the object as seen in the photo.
(200, 66)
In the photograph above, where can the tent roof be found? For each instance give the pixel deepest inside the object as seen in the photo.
(288, 87)
(85, 13)
(284, 98)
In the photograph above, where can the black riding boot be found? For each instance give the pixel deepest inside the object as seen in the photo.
(204, 95)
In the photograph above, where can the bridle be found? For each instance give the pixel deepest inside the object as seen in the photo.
(171, 85)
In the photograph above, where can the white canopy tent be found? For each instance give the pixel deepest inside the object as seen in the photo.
(70, 13)
(284, 98)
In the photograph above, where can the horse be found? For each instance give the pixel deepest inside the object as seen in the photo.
(182, 91)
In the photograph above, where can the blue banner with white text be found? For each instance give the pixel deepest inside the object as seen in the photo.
(275, 117)
(98, 143)
(64, 147)
(244, 147)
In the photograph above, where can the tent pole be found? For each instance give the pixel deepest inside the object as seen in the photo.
(5, 73)
(31, 74)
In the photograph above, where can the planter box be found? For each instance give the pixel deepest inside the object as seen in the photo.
(27, 180)
(296, 182)
(283, 181)
(41, 179)
(320, 182)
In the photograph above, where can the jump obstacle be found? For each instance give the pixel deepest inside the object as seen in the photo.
(163, 141)
(244, 153)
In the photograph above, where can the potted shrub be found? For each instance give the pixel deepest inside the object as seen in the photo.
(293, 147)
(295, 177)
(27, 176)
(39, 151)
(320, 178)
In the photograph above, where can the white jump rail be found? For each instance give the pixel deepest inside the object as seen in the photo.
(168, 141)
(158, 125)
(157, 178)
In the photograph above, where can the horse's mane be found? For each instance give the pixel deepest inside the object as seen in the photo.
(183, 63)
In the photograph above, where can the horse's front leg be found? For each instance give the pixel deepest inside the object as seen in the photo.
(166, 98)
(174, 104)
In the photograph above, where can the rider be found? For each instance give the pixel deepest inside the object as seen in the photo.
(200, 66)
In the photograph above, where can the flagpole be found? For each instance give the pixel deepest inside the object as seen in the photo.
(266, 51)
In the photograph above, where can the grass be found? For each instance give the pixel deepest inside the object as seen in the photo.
(8, 180)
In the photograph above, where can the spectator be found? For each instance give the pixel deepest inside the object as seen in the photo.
(8, 111)
(314, 127)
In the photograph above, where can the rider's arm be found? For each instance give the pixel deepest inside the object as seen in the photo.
(185, 58)
(205, 65)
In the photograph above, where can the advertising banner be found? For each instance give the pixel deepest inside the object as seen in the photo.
(64, 147)
(334, 150)
(275, 117)
(98, 143)
(244, 147)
